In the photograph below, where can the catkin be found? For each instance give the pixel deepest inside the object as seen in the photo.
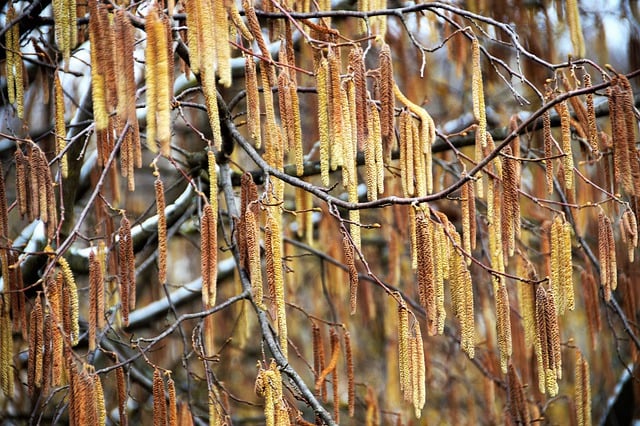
(122, 395)
(208, 256)
(15, 83)
(159, 401)
(567, 159)
(351, 393)
(253, 101)
(425, 270)
(387, 99)
(575, 28)
(350, 261)
(582, 394)
(173, 409)
(548, 150)
(71, 297)
(323, 119)
(477, 93)
(503, 322)
(162, 230)
(338, 126)
(517, 402)
(96, 298)
(419, 373)
(404, 360)
(629, 232)
(126, 269)
(60, 126)
(542, 342)
(356, 67)
(273, 247)
(253, 253)
(591, 118)
(6, 352)
(36, 342)
(606, 252)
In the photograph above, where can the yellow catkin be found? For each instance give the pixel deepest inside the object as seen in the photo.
(36, 342)
(427, 135)
(151, 77)
(548, 150)
(350, 261)
(553, 335)
(158, 63)
(99, 400)
(567, 160)
(465, 193)
(371, 167)
(419, 376)
(591, 118)
(575, 28)
(425, 270)
(273, 244)
(503, 322)
(222, 47)
(253, 252)
(477, 92)
(403, 351)
(71, 294)
(406, 153)
(556, 265)
(60, 126)
(323, 119)
(582, 393)
(566, 259)
(6, 352)
(12, 54)
(542, 341)
(253, 101)
(162, 230)
(629, 232)
(357, 68)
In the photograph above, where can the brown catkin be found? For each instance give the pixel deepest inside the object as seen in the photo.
(99, 400)
(542, 342)
(425, 270)
(517, 402)
(122, 395)
(126, 269)
(273, 247)
(351, 386)
(36, 342)
(22, 183)
(548, 150)
(159, 401)
(387, 99)
(95, 281)
(162, 230)
(208, 256)
(606, 252)
(173, 409)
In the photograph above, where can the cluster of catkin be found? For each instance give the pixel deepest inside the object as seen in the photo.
(437, 257)
(34, 188)
(607, 256)
(547, 344)
(86, 397)
(411, 360)
(322, 369)
(164, 413)
(66, 33)
(13, 63)
(562, 264)
(626, 164)
(269, 386)
(114, 88)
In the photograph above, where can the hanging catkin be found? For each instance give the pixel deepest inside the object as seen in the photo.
(162, 230)
(582, 392)
(607, 256)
